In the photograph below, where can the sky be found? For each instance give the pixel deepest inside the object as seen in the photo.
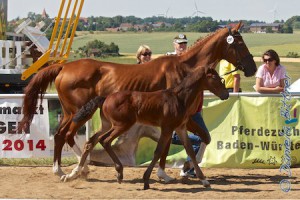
(262, 10)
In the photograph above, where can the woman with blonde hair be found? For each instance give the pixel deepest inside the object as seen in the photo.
(143, 54)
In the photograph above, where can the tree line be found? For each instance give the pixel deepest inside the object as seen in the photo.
(187, 24)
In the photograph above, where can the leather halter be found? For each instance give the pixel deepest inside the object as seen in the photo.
(236, 47)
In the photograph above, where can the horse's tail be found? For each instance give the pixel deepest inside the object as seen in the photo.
(37, 85)
(89, 109)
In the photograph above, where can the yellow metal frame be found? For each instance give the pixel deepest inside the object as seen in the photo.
(57, 53)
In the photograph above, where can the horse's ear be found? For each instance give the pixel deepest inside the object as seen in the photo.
(238, 26)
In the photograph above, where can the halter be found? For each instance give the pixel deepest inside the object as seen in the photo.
(239, 65)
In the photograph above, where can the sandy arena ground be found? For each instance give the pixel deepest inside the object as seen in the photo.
(40, 183)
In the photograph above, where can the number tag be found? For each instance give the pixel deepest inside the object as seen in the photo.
(230, 39)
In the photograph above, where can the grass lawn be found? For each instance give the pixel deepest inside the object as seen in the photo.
(161, 42)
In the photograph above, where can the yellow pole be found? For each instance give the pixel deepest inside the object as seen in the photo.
(57, 20)
(62, 52)
(61, 29)
(74, 28)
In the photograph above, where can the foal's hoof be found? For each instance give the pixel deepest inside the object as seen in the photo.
(146, 186)
(205, 183)
(120, 178)
(59, 173)
(64, 178)
(84, 175)
(163, 176)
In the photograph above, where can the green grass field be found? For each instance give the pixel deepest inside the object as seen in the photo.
(161, 42)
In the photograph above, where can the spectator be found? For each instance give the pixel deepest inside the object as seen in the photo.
(180, 44)
(143, 54)
(270, 75)
(232, 80)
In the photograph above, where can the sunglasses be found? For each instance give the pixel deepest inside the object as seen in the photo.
(147, 54)
(268, 60)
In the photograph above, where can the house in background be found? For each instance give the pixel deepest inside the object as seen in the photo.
(265, 27)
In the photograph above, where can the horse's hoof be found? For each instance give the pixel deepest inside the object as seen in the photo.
(205, 183)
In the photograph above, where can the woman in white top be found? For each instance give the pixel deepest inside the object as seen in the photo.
(270, 75)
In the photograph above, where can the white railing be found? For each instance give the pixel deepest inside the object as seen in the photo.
(6, 58)
(206, 94)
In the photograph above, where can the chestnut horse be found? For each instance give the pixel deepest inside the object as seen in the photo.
(80, 81)
(168, 109)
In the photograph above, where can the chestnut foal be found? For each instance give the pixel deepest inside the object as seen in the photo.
(169, 109)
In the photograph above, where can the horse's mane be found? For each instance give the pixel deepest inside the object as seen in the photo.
(201, 41)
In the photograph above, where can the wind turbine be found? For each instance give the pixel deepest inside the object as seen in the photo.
(274, 11)
(166, 13)
(197, 11)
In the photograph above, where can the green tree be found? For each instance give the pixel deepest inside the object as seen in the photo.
(98, 49)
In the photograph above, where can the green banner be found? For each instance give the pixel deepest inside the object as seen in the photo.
(248, 132)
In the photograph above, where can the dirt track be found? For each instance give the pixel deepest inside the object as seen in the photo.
(40, 183)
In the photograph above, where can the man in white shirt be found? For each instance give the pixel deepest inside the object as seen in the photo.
(180, 44)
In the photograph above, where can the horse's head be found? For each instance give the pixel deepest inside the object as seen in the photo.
(216, 84)
(237, 52)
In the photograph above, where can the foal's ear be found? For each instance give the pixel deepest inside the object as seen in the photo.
(209, 72)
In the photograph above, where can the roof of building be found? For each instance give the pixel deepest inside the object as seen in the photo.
(266, 24)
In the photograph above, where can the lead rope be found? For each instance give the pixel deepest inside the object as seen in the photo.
(230, 72)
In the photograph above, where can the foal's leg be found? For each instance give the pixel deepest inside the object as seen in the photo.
(162, 163)
(161, 145)
(106, 140)
(182, 133)
(88, 147)
(72, 129)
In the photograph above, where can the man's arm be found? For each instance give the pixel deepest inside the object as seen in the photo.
(236, 82)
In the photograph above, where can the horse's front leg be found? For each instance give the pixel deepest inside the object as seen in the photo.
(182, 133)
(162, 163)
(161, 145)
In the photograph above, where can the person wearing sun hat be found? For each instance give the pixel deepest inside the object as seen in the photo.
(180, 44)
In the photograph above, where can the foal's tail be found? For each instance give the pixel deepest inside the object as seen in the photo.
(37, 85)
(89, 109)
